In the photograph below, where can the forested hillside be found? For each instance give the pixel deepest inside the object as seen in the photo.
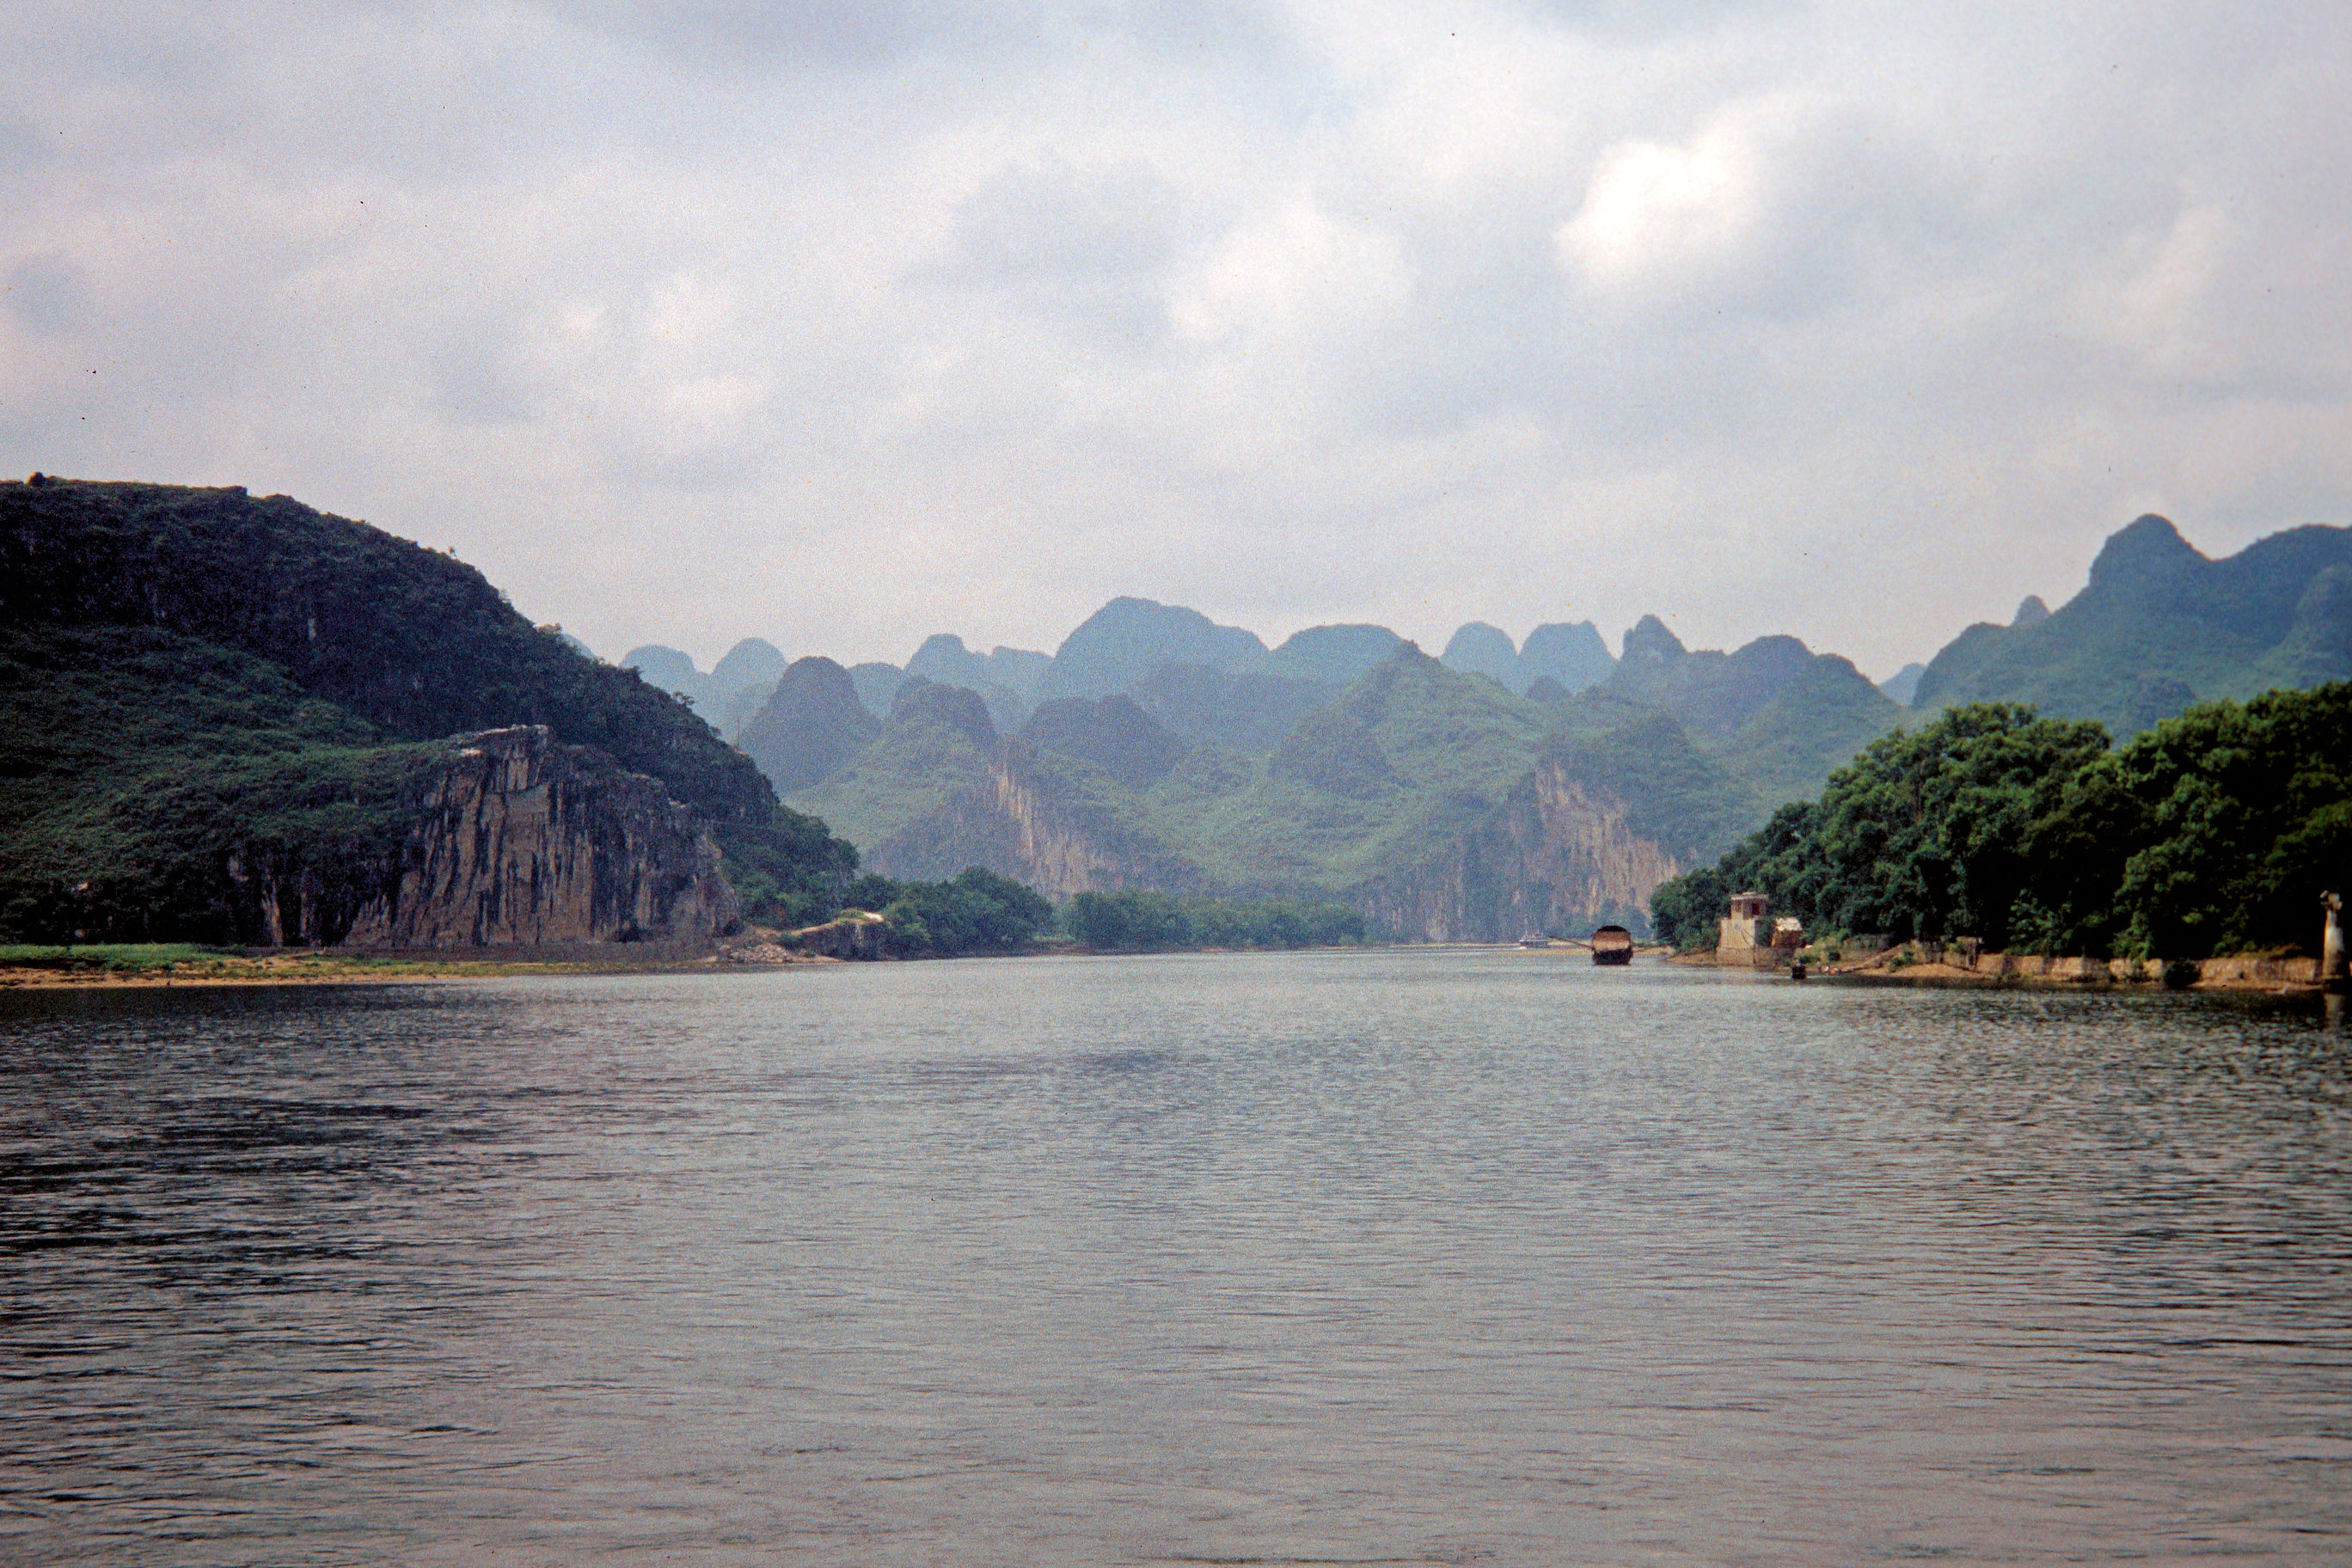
(193, 677)
(2159, 626)
(1435, 801)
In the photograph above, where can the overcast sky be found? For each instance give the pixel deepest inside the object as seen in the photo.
(846, 323)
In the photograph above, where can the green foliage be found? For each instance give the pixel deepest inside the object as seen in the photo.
(154, 784)
(1683, 910)
(2237, 818)
(1677, 794)
(203, 695)
(2159, 625)
(787, 870)
(122, 957)
(2216, 831)
(1142, 920)
(414, 642)
(975, 911)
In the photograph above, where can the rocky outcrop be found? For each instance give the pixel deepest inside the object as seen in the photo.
(858, 934)
(1558, 854)
(519, 841)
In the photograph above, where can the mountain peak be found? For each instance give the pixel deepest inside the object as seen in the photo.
(2031, 612)
(1337, 653)
(1114, 648)
(810, 726)
(1481, 649)
(1648, 642)
(2150, 548)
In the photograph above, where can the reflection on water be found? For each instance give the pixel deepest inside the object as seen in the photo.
(1396, 1256)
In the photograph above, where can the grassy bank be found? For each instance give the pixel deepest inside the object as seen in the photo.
(190, 963)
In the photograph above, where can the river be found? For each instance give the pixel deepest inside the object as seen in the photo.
(1399, 1256)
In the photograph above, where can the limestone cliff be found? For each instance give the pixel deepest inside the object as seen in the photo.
(1560, 853)
(521, 841)
(1017, 820)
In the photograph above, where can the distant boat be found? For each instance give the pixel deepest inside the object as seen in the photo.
(1612, 944)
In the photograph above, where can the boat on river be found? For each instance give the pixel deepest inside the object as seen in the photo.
(1612, 944)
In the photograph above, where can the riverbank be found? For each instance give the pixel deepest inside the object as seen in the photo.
(2259, 972)
(286, 969)
(142, 965)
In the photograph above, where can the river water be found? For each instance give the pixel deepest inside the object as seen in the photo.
(1391, 1256)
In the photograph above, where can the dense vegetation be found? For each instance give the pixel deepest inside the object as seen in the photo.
(192, 680)
(149, 782)
(975, 911)
(1139, 920)
(2214, 832)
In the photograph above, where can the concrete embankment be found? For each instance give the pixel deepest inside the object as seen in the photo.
(2247, 972)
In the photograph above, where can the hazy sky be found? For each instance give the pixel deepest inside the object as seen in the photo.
(846, 323)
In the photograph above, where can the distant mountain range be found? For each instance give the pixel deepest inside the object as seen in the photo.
(1122, 647)
(232, 718)
(1439, 800)
(1497, 788)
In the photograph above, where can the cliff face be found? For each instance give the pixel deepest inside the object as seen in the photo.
(1016, 823)
(1558, 854)
(520, 841)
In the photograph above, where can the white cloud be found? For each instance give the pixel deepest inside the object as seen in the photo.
(1659, 216)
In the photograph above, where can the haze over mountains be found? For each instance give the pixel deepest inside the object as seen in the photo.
(1125, 647)
(1503, 785)
(231, 715)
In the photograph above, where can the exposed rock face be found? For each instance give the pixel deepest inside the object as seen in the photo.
(858, 935)
(520, 841)
(1014, 823)
(1558, 854)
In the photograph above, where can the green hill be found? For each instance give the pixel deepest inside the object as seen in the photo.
(1331, 655)
(1250, 710)
(1115, 647)
(187, 671)
(2160, 627)
(808, 727)
(1111, 732)
(1250, 784)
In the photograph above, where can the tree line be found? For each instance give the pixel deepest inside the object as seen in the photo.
(2214, 832)
(1136, 920)
(978, 911)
